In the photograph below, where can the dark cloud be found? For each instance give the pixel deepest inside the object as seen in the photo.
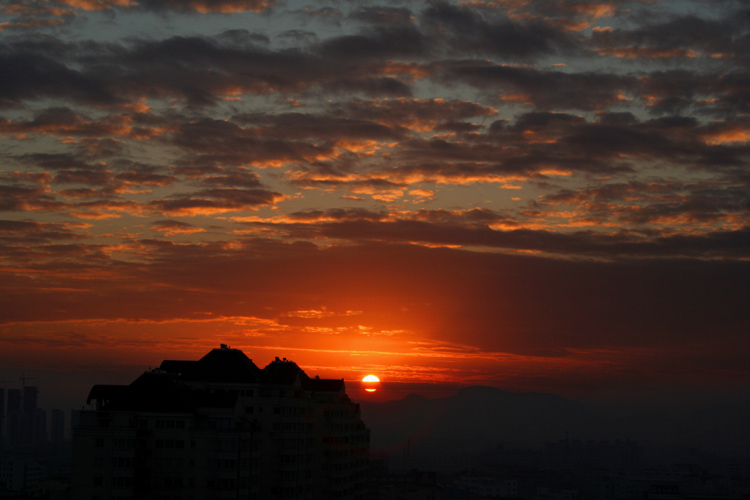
(31, 76)
(191, 6)
(236, 178)
(200, 70)
(172, 227)
(660, 202)
(22, 197)
(381, 42)
(468, 31)
(303, 126)
(718, 244)
(386, 16)
(224, 142)
(339, 214)
(145, 178)
(543, 89)
(683, 37)
(26, 232)
(217, 200)
(414, 113)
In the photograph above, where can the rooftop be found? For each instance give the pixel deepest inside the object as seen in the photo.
(169, 388)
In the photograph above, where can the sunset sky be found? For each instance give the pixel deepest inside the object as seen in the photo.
(535, 195)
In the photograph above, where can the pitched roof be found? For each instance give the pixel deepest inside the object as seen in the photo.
(233, 366)
(282, 372)
(160, 392)
(219, 365)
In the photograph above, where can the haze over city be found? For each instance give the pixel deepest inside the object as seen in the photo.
(535, 196)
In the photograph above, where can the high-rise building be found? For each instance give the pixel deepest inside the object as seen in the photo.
(32, 420)
(38, 427)
(14, 400)
(30, 395)
(13, 418)
(2, 417)
(221, 428)
(57, 427)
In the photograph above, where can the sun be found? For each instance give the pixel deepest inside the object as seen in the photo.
(371, 383)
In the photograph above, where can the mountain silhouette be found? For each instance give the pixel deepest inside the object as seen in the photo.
(475, 416)
(478, 418)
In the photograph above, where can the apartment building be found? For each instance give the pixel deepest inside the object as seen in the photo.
(221, 428)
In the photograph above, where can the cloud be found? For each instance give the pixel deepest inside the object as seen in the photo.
(470, 31)
(207, 6)
(396, 288)
(543, 89)
(26, 232)
(679, 37)
(197, 6)
(173, 227)
(217, 200)
(201, 70)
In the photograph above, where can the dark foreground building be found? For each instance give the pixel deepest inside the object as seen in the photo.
(221, 428)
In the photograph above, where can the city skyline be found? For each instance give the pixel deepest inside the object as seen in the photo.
(531, 195)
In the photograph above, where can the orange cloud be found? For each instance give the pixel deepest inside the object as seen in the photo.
(37, 23)
(647, 52)
(728, 135)
(93, 5)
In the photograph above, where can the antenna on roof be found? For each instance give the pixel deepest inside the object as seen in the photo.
(24, 378)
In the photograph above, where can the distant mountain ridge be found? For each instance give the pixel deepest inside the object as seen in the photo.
(481, 417)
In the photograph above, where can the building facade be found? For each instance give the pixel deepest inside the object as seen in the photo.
(221, 428)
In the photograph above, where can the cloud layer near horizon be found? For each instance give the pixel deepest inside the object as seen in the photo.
(539, 195)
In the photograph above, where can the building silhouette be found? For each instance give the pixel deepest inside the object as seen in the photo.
(25, 424)
(221, 428)
(57, 427)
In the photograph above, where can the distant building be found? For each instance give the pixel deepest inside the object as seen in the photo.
(18, 474)
(2, 417)
(38, 427)
(221, 428)
(487, 486)
(26, 425)
(30, 397)
(14, 400)
(57, 427)
(13, 417)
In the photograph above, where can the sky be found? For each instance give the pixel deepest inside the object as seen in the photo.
(546, 196)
